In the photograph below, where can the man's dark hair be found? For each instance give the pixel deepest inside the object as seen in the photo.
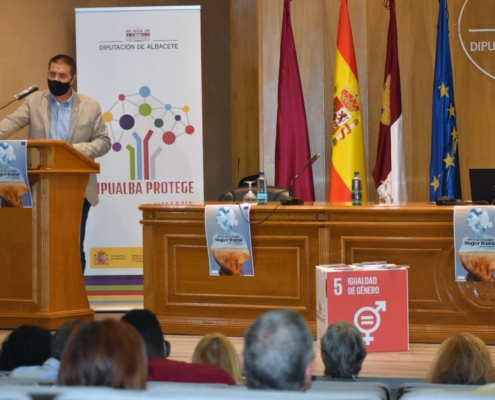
(148, 327)
(342, 350)
(64, 59)
(278, 347)
(59, 340)
(25, 346)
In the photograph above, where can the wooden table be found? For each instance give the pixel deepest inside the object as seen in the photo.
(286, 249)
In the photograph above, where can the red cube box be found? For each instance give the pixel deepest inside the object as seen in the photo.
(375, 300)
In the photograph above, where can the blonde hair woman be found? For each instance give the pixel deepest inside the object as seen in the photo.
(462, 359)
(216, 349)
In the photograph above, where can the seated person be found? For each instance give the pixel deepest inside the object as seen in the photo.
(26, 345)
(160, 368)
(462, 359)
(49, 369)
(342, 351)
(106, 353)
(278, 352)
(217, 349)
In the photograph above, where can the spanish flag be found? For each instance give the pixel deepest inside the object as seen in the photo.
(348, 154)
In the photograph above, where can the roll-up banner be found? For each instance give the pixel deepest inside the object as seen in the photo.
(143, 65)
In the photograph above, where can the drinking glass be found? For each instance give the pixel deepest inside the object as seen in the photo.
(384, 196)
(250, 197)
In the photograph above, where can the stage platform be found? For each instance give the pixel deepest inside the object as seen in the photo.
(286, 249)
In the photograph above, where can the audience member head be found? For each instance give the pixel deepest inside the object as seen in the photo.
(26, 345)
(216, 349)
(148, 327)
(59, 340)
(462, 359)
(106, 353)
(278, 352)
(342, 350)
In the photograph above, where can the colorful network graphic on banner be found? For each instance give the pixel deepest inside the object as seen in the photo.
(168, 121)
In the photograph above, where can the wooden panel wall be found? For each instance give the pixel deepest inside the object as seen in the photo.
(315, 25)
(245, 91)
(474, 90)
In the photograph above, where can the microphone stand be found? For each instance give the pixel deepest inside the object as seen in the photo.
(21, 95)
(8, 104)
(294, 201)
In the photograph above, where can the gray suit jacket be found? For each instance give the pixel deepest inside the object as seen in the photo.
(88, 132)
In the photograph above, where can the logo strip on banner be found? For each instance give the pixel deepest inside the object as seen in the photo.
(121, 288)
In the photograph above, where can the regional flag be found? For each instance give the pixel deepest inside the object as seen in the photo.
(390, 169)
(292, 150)
(445, 178)
(348, 154)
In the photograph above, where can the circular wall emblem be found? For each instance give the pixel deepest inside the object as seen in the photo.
(477, 34)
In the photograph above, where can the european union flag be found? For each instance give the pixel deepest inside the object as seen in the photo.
(445, 179)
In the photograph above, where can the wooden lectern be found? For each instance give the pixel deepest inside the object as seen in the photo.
(41, 280)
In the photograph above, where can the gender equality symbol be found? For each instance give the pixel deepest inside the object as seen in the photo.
(367, 320)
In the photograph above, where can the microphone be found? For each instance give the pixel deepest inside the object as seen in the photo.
(21, 95)
(26, 92)
(446, 200)
(294, 201)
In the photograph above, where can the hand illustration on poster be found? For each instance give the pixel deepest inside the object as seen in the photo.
(475, 248)
(14, 188)
(229, 251)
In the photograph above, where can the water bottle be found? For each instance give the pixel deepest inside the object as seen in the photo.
(357, 190)
(262, 194)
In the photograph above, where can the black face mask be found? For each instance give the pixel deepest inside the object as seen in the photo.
(58, 88)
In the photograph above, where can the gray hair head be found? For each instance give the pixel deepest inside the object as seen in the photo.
(278, 347)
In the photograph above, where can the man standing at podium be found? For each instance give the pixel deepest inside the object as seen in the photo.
(61, 113)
